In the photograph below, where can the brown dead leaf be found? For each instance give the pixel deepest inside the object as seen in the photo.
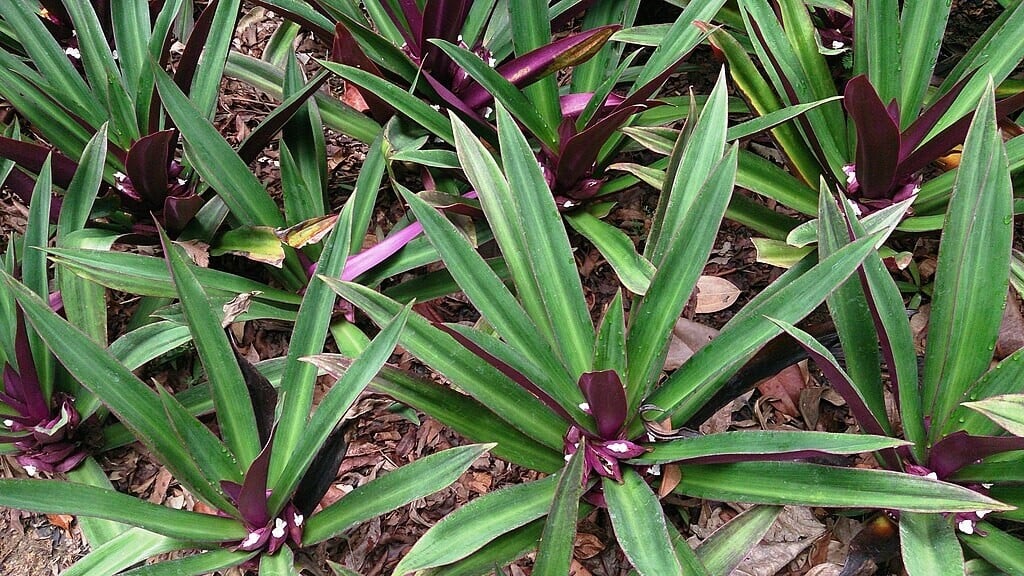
(353, 98)
(237, 306)
(1011, 331)
(479, 482)
(687, 337)
(670, 478)
(577, 569)
(715, 294)
(587, 545)
(62, 521)
(786, 387)
(919, 327)
(198, 252)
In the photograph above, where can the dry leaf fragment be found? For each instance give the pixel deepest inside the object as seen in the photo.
(786, 386)
(715, 294)
(62, 521)
(1011, 331)
(587, 545)
(687, 337)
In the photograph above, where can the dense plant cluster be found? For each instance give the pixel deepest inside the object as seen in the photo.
(498, 123)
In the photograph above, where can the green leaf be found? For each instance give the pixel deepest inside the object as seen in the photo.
(197, 565)
(876, 45)
(489, 294)
(763, 443)
(973, 271)
(929, 545)
(407, 104)
(801, 484)
(84, 301)
(531, 29)
(206, 81)
(633, 270)
(472, 526)
(230, 394)
(554, 556)
(281, 563)
(505, 93)
(653, 316)
(59, 497)
(851, 313)
(330, 411)
(922, 26)
(134, 403)
(213, 459)
(547, 246)
(723, 550)
(130, 547)
(215, 160)
(148, 276)
(466, 371)
(308, 337)
(689, 387)
(1006, 410)
(391, 491)
(682, 37)
(639, 525)
(998, 547)
(610, 347)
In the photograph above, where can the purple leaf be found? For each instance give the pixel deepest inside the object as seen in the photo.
(179, 210)
(29, 390)
(259, 138)
(923, 124)
(951, 137)
(409, 25)
(513, 374)
(542, 61)
(186, 71)
(252, 498)
(321, 472)
(573, 104)
(441, 19)
(960, 449)
(263, 396)
(577, 154)
(346, 50)
(148, 165)
(878, 138)
(31, 157)
(607, 401)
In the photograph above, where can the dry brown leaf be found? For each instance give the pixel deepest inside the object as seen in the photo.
(198, 252)
(715, 294)
(237, 306)
(587, 545)
(353, 98)
(670, 478)
(1011, 331)
(62, 521)
(786, 387)
(919, 327)
(577, 569)
(687, 337)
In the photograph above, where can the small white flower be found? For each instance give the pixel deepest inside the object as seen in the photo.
(113, 53)
(932, 475)
(73, 52)
(182, 182)
(9, 423)
(655, 470)
(853, 206)
(618, 447)
(31, 470)
(983, 513)
(986, 486)
(459, 39)
(568, 204)
(851, 174)
(297, 519)
(279, 526)
(966, 526)
(837, 45)
(567, 457)
(491, 61)
(250, 540)
(585, 407)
